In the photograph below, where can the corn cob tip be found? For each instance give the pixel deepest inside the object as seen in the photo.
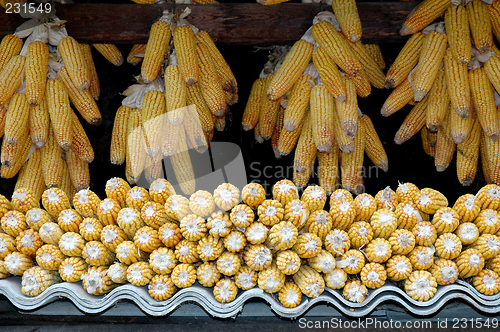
(277, 153)
(289, 126)
(419, 95)
(441, 168)
(389, 83)
(467, 181)
(405, 30)
(459, 137)
(386, 111)
(340, 98)
(246, 127)
(399, 139)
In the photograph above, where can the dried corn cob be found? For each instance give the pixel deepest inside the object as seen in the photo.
(469, 263)
(373, 275)
(422, 15)
(480, 25)
(225, 290)
(162, 260)
(90, 229)
(71, 244)
(467, 232)
(170, 234)
(9, 47)
(457, 30)
(74, 62)
(139, 274)
(117, 189)
(49, 257)
(378, 250)
(128, 253)
(335, 279)
(245, 278)
(406, 60)
(36, 280)
(398, 268)
(186, 252)
(256, 233)
(355, 291)
(94, 88)
(183, 275)
(16, 263)
(11, 77)
(72, 269)
(110, 52)
(96, 254)
(96, 281)
(161, 287)
(420, 286)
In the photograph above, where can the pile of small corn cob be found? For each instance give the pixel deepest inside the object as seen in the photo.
(43, 138)
(450, 72)
(314, 105)
(176, 104)
(166, 241)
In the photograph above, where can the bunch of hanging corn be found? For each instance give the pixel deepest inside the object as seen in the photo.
(307, 97)
(450, 72)
(43, 139)
(235, 240)
(185, 91)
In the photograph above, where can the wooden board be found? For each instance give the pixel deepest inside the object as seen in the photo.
(228, 23)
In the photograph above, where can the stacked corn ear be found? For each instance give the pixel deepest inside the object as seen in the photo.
(184, 93)
(448, 71)
(235, 240)
(43, 139)
(306, 97)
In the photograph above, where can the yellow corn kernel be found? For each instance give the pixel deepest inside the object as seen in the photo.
(346, 13)
(343, 212)
(488, 222)
(139, 274)
(228, 263)
(72, 269)
(186, 252)
(37, 59)
(284, 191)
(96, 254)
(445, 220)
(74, 62)
(457, 84)
(256, 233)
(282, 236)
(110, 52)
(107, 211)
(314, 197)
(469, 263)
(402, 242)
(202, 203)
(183, 275)
(373, 72)
(445, 271)
(242, 216)
(407, 215)
(258, 257)
(488, 245)
(398, 268)
(24, 200)
(170, 234)
(487, 282)
(129, 220)
(137, 197)
(96, 281)
(468, 155)
(16, 119)
(467, 207)
(154, 215)
(376, 53)
(360, 234)
(337, 242)
(81, 144)
(253, 195)
(128, 253)
(489, 197)
(86, 203)
(373, 275)
(425, 233)
(226, 196)
(161, 287)
(90, 229)
(177, 207)
(352, 261)
(322, 106)
(423, 15)
(414, 121)
(420, 285)
(185, 46)
(384, 223)
(147, 239)
(192, 227)
(270, 212)
(119, 136)
(207, 274)
(288, 262)
(402, 95)
(162, 260)
(365, 206)
(210, 248)
(112, 236)
(71, 244)
(290, 295)
(421, 257)
(373, 146)
(378, 251)
(175, 95)
(320, 223)
(10, 46)
(210, 85)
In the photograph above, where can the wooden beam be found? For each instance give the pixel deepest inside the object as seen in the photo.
(227, 23)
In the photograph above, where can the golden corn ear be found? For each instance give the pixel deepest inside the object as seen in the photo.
(74, 62)
(347, 16)
(137, 49)
(175, 95)
(10, 46)
(119, 136)
(210, 85)
(457, 30)
(11, 77)
(110, 52)
(322, 106)
(95, 87)
(406, 60)
(373, 146)
(480, 25)
(329, 73)
(185, 47)
(252, 108)
(484, 102)
(423, 15)
(60, 113)
(35, 71)
(16, 120)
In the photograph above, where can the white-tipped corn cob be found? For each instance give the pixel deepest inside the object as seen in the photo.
(7, 245)
(297, 212)
(383, 223)
(202, 203)
(425, 233)
(49, 257)
(36, 280)
(69, 220)
(225, 290)
(108, 210)
(96, 281)
(253, 195)
(420, 286)
(402, 242)
(170, 234)
(72, 269)
(246, 278)
(54, 200)
(271, 280)
(360, 234)
(117, 189)
(90, 229)
(24, 199)
(365, 207)
(13, 223)
(270, 212)
(487, 282)
(28, 242)
(352, 261)
(355, 291)
(421, 257)
(50, 232)
(71, 244)
(337, 242)
(147, 239)
(177, 207)
(320, 223)
(258, 257)
(154, 215)
(343, 213)
(112, 236)
(373, 275)
(467, 207)
(378, 251)
(448, 246)
(118, 273)
(183, 275)
(162, 260)
(228, 263)
(16, 263)
(398, 268)
(467, 233)
(86, 203)
(96, 254)
(470, 262)
(161, 287)
(210, 248)
(235, 241)
(139, 274)
(256, 233)
(290, 295)
(226, 196)
(129, 220)
(128, 253)
(335, 279)
(444, 271)
(207, 274)
(160, 190)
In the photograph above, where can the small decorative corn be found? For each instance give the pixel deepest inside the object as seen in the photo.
(72, 269)
(297, 212)
(36, 280)
(489, 197)
(270, 212)
(402, 242)
(128, 253)
(161, 287)
(343, 213)
(467, 208)
(28, 242)
(488, 222)
(242, 216)
(207, 274)
(271, 280)
(398, 268)
(360, 234)
(425, 233)
(445, 220)
(118, 273)
(420, 286)
(470, 262)
(186, 251)
(246, 278)
(192, 227)
(202, 203)
(337, 242)
(445, 271)
(137, 197)
(35, 218)
(7, 245)
(488, 245)
(378, 251)
(487, 282)
(170, 235)
(226, 196)
(24, 199)
(96, 254)
(71, 244)
(51, 233)
(421, 257)
(69, 220)
(365, 207)
(210, 248)
(117, 189)
(54, 200)
(335, 279)
(235, 241)
(253, 194)
(90, 229)
(467, 233)
(177, 207)
(383, 223)
(184, 275)
(16, 263)
(160, 190)
(139, 274)
(225, 290)
(86, 203)
(319, 223)
(352, 261)
(407, 215)
(112, 236)
(96, 281)
(256, 233)
(228, 263)
(430, 201)
(290, 295)
(355, 291)
(49, 257)
(129, 220)
(258, 257)
(373, 275)
(107, 212)
(13, 223)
